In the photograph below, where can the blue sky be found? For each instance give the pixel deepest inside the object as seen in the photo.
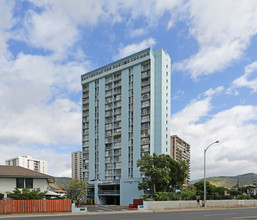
(45, 46)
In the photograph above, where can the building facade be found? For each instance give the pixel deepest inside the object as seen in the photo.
(126, 113)
(29, 163)
(19, 177)
(76, 165)
(180, 151)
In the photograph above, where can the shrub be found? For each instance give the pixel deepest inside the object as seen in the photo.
(243, 197)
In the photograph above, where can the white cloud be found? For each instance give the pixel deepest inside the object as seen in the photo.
(137, 32)
(37, 113)
(244, 81)
(82, 12)
(50, 30)
(180, 93)
(234, 128)
(6, 22)
(133, 48)
(223, 31)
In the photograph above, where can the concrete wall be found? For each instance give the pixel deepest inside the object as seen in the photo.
(129, 190)
(160, 205)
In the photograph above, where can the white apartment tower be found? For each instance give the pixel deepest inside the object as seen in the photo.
(76, 163)
(126, 113)
(29, 163)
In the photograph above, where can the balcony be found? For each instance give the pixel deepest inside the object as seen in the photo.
(109, 93)
(146, 67)
(145, 89)
(108, 154)
(145, 119)
(86, 107)
(117, 78)
(117, 118)
(85, 126)
(117, 145)
(108, 127)
(85, 89)
(117, 98)
(117, 105)
(107, 121)
(116, 91)
(117, 111)
(117, 85)
(108, 87)
(109, 100)
(109, 113)
(84, 120)
(85, 101)
(145, 82)
(117, 154)
(143, 142)
(85, 139)
(117, 125)
(108, 107)
(145, 111)
(109, 192)
(117, 140)
(145, 97)
(108, 80)
(108, 140)
(145, 75)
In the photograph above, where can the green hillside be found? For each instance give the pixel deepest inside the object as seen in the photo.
(230, 181)
(60, 183)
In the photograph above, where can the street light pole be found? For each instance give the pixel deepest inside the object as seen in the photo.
(204, 190)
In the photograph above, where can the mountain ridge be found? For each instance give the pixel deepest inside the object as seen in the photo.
(231, 181)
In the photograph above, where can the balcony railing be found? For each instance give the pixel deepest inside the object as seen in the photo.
(108, 80)
(108, 93)
(118, 91)
(145, 74)
(145, 82)
(108, 192)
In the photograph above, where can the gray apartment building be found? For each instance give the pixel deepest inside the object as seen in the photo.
(180, 151)
(76, 165)
(126, 113)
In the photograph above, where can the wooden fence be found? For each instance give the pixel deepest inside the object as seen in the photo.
(34, 206)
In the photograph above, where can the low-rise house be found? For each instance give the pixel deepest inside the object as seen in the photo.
(61, 192)
(12, 177)
(252, 191)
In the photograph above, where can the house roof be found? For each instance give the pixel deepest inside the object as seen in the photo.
(16, 171)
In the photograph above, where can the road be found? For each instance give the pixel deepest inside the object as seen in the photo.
(219, 214)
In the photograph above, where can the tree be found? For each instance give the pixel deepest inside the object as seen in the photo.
(162, 173)
(26, 194)
(200, 188)
(210, 189)
(76, 189)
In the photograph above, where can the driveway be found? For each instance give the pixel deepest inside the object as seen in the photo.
(104, 208)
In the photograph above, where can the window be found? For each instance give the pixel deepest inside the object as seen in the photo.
(29, 183)
(20, 183)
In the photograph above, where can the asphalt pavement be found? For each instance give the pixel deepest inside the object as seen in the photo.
(200, 214)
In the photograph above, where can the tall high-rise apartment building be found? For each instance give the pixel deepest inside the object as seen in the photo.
(126, 113)
(180, 151)
(29, 163)
(76, 165)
